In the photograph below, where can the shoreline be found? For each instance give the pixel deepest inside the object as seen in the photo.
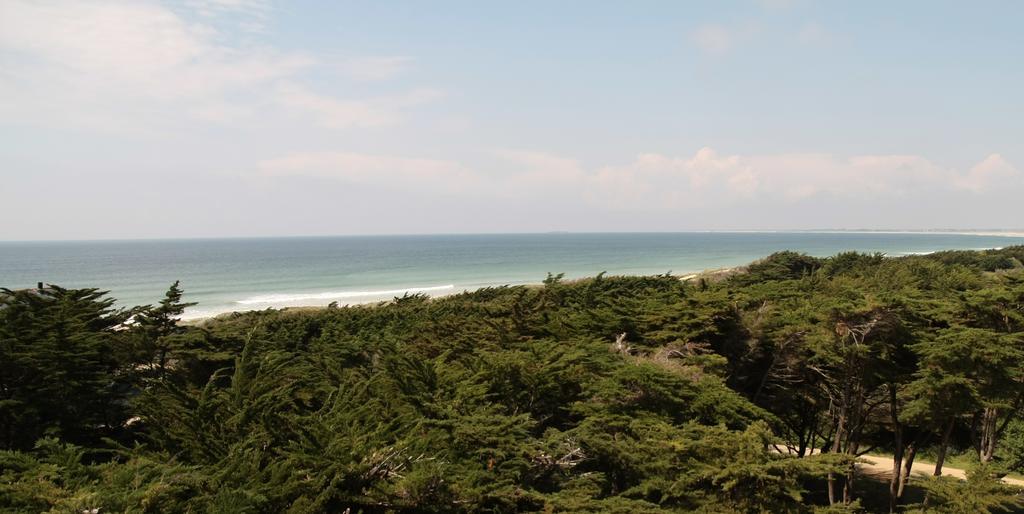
(715, 274)
(980, 232)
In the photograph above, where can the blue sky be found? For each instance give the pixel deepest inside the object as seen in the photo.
(250, 117)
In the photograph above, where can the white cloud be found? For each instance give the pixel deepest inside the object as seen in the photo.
(250, 15)
(812, 33)
(657, 182)
(375, 68)
(419, 174)
(706, 179)
(339, 114)
(719, 39)
(134, 47)
(524, 170)
(217, 7)
(992, 173)
(124, 65)
(713, 39)
(777, 4)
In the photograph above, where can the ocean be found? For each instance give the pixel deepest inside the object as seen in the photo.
(225, 275)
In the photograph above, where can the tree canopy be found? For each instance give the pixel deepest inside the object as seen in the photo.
(753, 391)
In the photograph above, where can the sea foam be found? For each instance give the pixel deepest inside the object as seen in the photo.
(337, 295)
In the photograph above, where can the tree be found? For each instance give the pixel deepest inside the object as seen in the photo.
(160, 329)
(60, 366)
(855, 362)
(980, 493)
(607, 394)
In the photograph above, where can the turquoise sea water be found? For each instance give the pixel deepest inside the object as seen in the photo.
(241, 274)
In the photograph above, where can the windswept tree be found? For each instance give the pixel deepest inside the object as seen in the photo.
(608, 394)
(60, 355)
(160, 329)
(856, 362)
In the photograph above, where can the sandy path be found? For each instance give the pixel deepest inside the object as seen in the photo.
(883, 466)
(878, 465)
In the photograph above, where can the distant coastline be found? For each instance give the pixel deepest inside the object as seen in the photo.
(232, 275)
(963, 232)
(711, 275)
(993, 232)
(714, 274)
(958, 232)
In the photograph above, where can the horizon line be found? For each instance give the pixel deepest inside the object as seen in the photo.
(995, 232)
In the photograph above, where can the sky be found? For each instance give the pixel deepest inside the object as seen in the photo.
(238, 118)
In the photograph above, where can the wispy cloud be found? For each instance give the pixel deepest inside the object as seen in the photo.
(659, 182)
(334, 113)
(433, 175)
(992, 173)
(248, 15)
(713, 38)
(125, 65)
(217, 7)
(375, 67)
(718, 39)
(812, 33)
(777, 4)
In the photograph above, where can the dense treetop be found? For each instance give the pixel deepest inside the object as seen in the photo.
(752, 391)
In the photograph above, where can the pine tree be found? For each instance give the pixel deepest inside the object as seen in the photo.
(59, 367)
(160, 328)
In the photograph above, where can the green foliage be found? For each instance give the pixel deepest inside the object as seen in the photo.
(779, 266)
(59, 366)
(608, 394)
(56, 478)
(980, 493)
(1011, 449)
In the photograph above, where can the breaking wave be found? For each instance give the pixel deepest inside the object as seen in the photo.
(337, 295)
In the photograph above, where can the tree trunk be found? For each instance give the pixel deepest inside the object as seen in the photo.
(987, 448)
(836, 444)
(943, 445)
(764, 379)
(941, 457)
(853, 438)
(812, 440)
(851, 473)
(898, 450)
(975, 439)
(908, 466)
